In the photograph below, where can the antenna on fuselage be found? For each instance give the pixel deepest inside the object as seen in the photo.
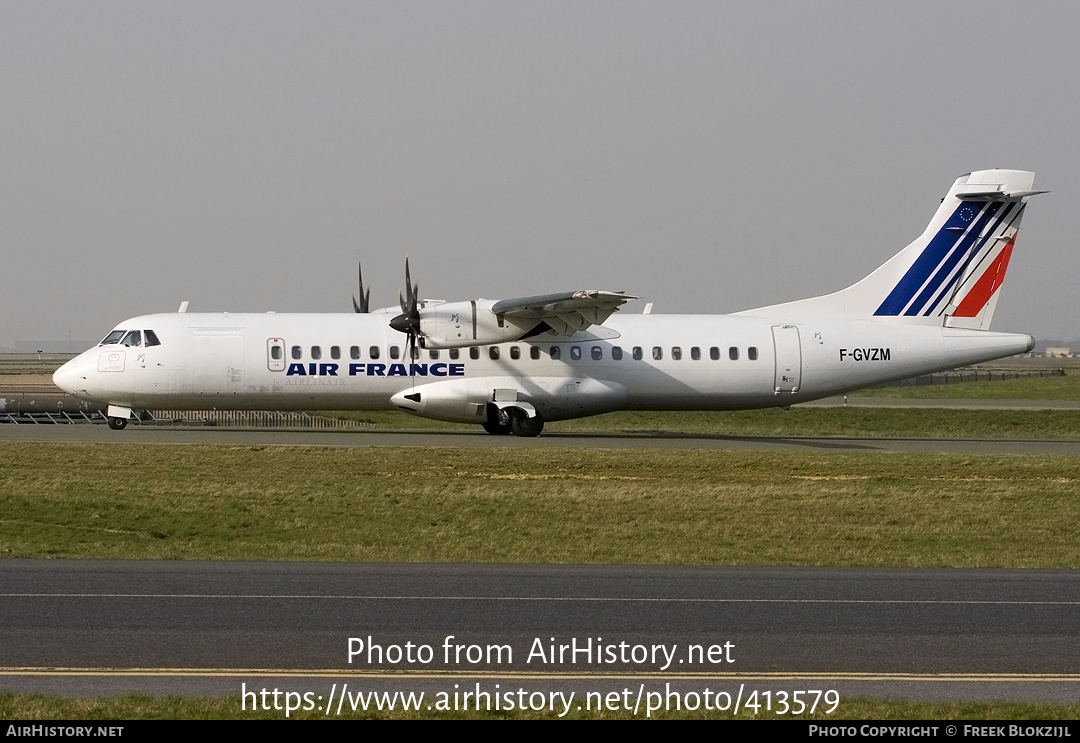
(183, 307)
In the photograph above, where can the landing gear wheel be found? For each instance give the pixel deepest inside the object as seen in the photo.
(496, 429)
(498, 421)
(523, 425)
(118, 424)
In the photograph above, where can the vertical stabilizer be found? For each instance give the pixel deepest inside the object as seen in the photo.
(950, 275)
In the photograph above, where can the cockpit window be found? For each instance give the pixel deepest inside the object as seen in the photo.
(113, 337)
(150, 338)
(133, 338)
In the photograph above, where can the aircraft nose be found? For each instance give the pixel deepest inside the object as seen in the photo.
(67, 377)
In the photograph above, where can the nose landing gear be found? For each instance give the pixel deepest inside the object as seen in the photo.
(118, 417)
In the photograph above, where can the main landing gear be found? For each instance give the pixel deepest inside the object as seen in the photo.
(523, 425)
(502, 422)
(118, 424)
(496, 429)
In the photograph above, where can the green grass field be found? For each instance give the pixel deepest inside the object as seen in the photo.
(538, 505)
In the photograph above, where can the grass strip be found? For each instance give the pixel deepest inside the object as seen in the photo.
(538, 505)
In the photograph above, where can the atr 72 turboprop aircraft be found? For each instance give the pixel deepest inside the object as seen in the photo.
(510, 365)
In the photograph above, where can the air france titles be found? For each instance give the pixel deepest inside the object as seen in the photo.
(376, 370)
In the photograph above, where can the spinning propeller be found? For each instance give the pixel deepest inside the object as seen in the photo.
(408, 321)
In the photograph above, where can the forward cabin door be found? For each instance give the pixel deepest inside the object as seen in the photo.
(218, 361)
(788, 355)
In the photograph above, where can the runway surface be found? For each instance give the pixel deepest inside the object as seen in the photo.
(360, 438)
(83, 627)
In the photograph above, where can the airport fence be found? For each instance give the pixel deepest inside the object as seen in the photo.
(972, 375)
(224, 418)
(249, 419)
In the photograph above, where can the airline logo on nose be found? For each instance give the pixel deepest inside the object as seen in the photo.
(111, 361)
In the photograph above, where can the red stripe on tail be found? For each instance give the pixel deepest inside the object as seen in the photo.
(987, 284)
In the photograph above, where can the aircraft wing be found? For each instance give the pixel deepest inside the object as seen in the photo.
(566, 312)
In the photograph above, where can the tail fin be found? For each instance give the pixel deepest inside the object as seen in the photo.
(951, 274)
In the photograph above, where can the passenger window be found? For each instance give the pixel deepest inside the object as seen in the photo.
(751, 353)
(455, 353)
(354, 352)
(275, 348)
(433, 353)
(150, 337)
(515, 352)
(695, 353)
(414, 353)
(714, 353)
(733, 353)
(676, 353)
(597, 353)
(133, 338)
(556, 352)
(534, 352)
(637, 354)
(373, 352)
(335, 352)
(616, 353)
(297, 352)
(316, 352)
(474, 353)
(113, 337)
(575, 353)
(395, 352)
(657, 353)
(493, 352)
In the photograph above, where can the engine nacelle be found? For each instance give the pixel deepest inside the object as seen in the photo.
(459, 324)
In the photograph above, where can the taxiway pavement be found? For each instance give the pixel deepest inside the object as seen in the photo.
(360, 438)
(95, 627)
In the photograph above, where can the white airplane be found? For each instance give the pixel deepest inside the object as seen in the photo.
(511, 365)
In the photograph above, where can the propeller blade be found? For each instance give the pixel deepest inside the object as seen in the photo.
(408, 321)
(362, 303)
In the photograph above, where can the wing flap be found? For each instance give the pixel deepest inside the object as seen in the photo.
(566, 313)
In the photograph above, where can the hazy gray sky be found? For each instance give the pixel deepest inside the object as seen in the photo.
(709, 157)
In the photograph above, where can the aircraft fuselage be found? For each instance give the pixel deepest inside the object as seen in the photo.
(639, 362)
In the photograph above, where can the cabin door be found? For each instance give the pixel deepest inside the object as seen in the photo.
(788, 355)
(218, 361)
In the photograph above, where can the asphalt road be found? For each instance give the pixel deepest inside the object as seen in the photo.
(83, 627)
(345, 438)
